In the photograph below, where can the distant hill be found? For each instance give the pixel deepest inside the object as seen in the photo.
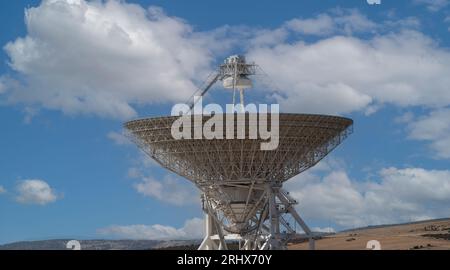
(428, 234)
(60, 244)
(395, 224)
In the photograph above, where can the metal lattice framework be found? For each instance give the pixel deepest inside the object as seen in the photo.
(304, 140)
(241, 184)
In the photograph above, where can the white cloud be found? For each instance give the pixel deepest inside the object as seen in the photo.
(404, 118)
(433, 5)
(343, 74)
(170, 189)
(447, 20)
(144, 162)
(323, 24)
(2, 85)
(192, 229)
(35, 191)
(346, 21)
(134, 172)
(336, 22)
(102, 57)
(29, 112)
(118, 138)
(400, 195)
(434, 128)
(267, 37)
(323, 230)
(2, 190)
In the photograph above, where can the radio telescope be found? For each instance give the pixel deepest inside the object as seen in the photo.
(241, 184)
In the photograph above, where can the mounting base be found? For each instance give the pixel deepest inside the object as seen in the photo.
(267, 235)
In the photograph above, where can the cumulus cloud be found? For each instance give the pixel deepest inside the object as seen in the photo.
(323, 24)
(35, 191)
(2, 85)
(404, 118)
(342, 74)
(343, 21)
(170, 189)
(105, 58)
(434, 128)
(118, 138)
(336, 22)
(398, 195)
(192, 229)
(2, 190)
(101, 57)
(433, 5)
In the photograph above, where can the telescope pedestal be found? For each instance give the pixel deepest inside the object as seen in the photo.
(267, 235)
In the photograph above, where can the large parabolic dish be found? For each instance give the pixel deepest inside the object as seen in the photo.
(241, 182)
(304, 140)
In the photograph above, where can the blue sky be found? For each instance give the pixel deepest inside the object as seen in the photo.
(67, 88)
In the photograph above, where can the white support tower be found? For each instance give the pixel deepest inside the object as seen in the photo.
(243, 199)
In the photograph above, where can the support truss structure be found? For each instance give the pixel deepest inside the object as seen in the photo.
(242, 184)
(270, 226)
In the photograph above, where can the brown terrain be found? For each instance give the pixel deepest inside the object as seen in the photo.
(425, 235)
